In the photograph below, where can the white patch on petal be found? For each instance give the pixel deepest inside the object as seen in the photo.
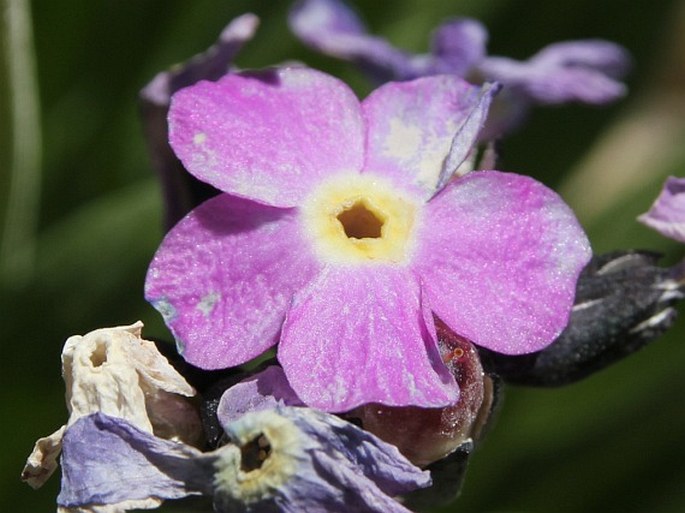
(418, 150)
(199, 138)
(207, 159)
(404, 140)
(207, 303)
(164, 307)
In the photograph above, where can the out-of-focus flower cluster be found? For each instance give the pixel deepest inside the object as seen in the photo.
(587, 71)
(374, 260)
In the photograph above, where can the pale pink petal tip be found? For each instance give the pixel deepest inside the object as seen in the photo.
(667, 214)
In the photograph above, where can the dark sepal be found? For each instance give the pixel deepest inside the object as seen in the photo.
(448, 477)
(623, 302)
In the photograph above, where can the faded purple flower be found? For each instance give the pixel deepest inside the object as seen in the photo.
(342, 233)
(181, 191)
(667, 214)
(283, 459)
(587, 71)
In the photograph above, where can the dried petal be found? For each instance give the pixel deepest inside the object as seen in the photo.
(115, 371)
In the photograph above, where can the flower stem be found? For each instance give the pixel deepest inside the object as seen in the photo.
(17, 245)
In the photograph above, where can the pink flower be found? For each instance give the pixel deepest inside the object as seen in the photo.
(343, 232)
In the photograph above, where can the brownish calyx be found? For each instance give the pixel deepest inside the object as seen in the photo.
(425, 435)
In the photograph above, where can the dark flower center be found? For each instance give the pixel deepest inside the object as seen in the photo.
(98, 356)
(254, 453)
(360, 222)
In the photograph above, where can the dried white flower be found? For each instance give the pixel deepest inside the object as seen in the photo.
(116, 372)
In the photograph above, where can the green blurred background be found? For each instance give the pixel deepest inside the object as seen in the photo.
(88, 220)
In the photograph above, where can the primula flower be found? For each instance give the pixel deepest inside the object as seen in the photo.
(342, 233)
(587, 71)
(283, 459)
(667, 214)
(115, 371)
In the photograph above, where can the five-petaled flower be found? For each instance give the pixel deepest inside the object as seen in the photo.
(343, 231)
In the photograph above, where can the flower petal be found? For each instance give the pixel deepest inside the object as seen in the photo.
(42, 461)
(315, 462)
(585, 71)
(500, 256)
(380, 461)
(106, 460)
(209, 65)
(603, 56)
(667, 214)
(358, 494)
(224, 276)
(459, 45)
(357, 335)
(331, 27)
(412, 125)
(467, 136)
(268, 136)
(262, 391)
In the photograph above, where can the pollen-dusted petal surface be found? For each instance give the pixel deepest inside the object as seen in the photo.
(499, 258)
(268, 136)
(667, 214)
(224, 277)
(411, 127)
(357, 334)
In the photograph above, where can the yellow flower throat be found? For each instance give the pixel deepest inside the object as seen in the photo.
(357, 218)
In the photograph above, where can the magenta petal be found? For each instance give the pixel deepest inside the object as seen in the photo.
(224, 277)
(667, 214)
(269, 137)
(500, 256)
(357, 335)
(411, 127)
